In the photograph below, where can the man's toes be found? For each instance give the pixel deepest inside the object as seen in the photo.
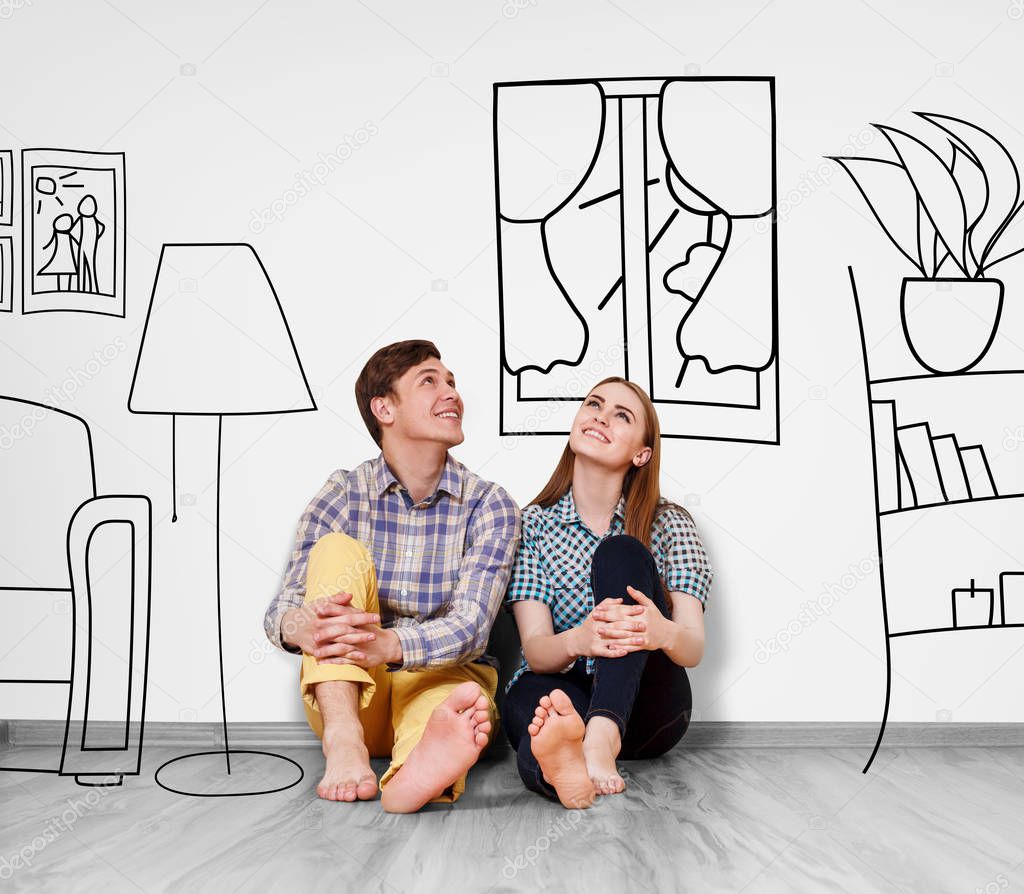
(480, 715)
(366, 790)
(545, 700)
(480, 738)
(484, 727)
(464, 696)
(481, 703)
(533, 729)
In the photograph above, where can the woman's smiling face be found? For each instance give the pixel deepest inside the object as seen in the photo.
(609, 428)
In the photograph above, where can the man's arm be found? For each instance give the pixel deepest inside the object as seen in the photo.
(462, 633)
(325, 513)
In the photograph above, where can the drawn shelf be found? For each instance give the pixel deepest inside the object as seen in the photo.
(948, 515)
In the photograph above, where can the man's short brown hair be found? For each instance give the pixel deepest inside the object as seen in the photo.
(381, 372)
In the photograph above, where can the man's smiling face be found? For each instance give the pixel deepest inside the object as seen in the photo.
(426, 406)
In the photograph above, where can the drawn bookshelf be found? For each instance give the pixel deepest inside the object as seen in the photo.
(947, 527)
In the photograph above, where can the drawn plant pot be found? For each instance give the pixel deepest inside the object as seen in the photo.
(950, 323)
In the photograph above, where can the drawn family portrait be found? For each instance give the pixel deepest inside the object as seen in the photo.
(73, 236)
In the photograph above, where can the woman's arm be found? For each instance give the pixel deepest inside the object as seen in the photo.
(681, 636)
(685, 640)
(548, 652)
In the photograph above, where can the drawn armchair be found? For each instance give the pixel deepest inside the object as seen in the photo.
(54, 616)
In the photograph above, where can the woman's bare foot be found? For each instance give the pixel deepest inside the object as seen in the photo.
(456, 732)
(348, 775)
(601, 746)
(557, 743)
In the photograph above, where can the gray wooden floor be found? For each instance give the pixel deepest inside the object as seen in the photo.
(719, 819)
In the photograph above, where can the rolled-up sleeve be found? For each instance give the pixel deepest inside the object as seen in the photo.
(681, 555)
(528, 582)
(324, 515)
(460, 634)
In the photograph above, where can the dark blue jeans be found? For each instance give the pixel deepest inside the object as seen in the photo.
(645, 693)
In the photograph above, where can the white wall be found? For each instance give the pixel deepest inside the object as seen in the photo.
(275, 85)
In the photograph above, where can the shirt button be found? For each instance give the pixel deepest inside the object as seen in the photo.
(405, 592)
(408, 552)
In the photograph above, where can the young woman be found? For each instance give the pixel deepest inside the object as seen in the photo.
(608, 591)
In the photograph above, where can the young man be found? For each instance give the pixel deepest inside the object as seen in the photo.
(398, 572)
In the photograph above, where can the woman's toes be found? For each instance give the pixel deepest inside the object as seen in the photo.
(545, 700)
(533, 729)
(481, 703)
(481, 715)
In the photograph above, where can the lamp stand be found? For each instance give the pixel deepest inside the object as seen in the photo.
(209, 774)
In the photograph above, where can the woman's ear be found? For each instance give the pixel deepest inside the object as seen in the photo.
(643, 457)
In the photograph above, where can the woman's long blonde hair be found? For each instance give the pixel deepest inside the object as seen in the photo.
(641, 487)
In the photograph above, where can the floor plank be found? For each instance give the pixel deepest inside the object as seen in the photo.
(720, 819)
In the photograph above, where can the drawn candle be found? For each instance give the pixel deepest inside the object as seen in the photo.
(972, 606)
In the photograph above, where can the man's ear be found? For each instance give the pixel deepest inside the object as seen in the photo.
(382, 410)
(643, 457)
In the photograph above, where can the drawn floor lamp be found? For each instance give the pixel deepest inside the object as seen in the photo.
(218, 345)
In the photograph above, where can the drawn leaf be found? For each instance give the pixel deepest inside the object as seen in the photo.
(1010, 241)
(926, 240)
(890, 196)
(1001, 176)
(936, 189)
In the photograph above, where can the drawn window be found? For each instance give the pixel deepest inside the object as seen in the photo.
(636, 237)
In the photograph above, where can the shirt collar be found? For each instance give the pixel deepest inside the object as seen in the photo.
(568, 514)
(450, 482)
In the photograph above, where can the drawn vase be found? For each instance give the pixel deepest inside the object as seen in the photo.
(950, 323)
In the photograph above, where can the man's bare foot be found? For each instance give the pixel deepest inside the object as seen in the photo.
(456, 733)
(557, 743)
(601, 746)
(348, 775)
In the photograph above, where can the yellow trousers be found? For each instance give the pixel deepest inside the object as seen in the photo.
(394, 706)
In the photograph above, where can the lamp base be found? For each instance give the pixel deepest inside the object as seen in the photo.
(205, 774)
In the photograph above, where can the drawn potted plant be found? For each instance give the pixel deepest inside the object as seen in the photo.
(965, 215)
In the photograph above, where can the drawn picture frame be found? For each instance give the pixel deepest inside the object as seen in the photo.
(6, 274)
(6, 187)
(73, 231)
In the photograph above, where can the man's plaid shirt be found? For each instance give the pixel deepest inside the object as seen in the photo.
(553, 561)
(442, 565)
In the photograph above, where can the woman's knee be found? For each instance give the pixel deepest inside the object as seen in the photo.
(620, 547)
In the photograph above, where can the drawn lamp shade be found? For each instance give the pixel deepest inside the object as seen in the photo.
(216, 343)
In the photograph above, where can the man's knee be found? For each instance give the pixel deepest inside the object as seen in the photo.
(339, 546)
(338, 563)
